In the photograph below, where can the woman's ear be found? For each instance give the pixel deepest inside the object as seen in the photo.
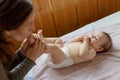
(8, 33)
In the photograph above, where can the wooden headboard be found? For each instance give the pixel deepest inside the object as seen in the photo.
(58, 17)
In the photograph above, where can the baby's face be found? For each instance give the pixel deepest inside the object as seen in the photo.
(97, 39)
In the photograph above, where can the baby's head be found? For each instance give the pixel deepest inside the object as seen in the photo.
(100, 41)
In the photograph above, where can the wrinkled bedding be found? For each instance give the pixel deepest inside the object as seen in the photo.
(104, 66)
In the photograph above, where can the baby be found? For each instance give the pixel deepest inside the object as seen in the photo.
(80, 49)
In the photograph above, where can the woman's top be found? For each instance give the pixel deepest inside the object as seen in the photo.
(18, 69)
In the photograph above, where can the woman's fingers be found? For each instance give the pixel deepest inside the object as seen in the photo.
(24, 46)
(42, 46)
(38, 44)
(36, 49)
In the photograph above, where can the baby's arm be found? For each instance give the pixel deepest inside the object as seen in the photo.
(77, 39)
(86, 52)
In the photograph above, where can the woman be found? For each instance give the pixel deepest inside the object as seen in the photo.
(17, 22)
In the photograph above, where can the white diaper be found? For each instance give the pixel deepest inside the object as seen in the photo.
(67, 62)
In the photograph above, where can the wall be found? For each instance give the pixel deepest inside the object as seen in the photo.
(58, 17)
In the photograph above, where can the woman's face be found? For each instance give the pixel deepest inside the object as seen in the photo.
(25, 29)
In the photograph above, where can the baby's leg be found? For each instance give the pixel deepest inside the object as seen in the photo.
(59, 42)
(53, 40)
(56, 54)
(56, 41)
(53, 62)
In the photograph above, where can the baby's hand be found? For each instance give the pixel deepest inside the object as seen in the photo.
(81, 38)
(86, 38)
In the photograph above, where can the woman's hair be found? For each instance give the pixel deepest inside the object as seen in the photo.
(12, 15)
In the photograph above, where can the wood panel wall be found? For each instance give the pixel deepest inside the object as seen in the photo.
(86, 11)
(118, 5)
(106, 7)
(44, 17)
(64, 14)
(58, 17)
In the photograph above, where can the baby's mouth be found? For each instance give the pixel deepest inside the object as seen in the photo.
(89, 39)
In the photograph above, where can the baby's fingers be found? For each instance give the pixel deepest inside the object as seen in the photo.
(86, 38)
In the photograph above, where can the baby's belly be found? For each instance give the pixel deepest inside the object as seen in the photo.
(74, 52)
(76, 58)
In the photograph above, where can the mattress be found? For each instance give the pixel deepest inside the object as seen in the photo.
(104, 66)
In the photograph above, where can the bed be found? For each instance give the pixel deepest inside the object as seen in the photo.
(103, 67)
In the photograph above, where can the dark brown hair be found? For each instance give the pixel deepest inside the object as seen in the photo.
(107, 45)
(12, 14)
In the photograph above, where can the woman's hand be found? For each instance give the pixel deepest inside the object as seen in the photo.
(35, 49)
(32, 47)
(25, 44)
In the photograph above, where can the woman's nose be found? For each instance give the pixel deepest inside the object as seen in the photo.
(33, 28)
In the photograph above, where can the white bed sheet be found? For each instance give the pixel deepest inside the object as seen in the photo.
(103, 67)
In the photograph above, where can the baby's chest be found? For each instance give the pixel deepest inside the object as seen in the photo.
(74, 49)
(75, 46)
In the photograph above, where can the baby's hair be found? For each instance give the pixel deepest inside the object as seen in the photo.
(107, 45)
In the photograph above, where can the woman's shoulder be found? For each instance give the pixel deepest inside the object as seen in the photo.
(1, 53)
(2, 72)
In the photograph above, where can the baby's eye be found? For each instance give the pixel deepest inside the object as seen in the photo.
(95, 38)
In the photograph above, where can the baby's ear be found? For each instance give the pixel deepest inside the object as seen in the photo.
(100, 49)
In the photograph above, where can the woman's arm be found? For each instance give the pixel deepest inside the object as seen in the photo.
(21, 70)
(33, 51)
(19, 58)
(2, 73)
(18, 72)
